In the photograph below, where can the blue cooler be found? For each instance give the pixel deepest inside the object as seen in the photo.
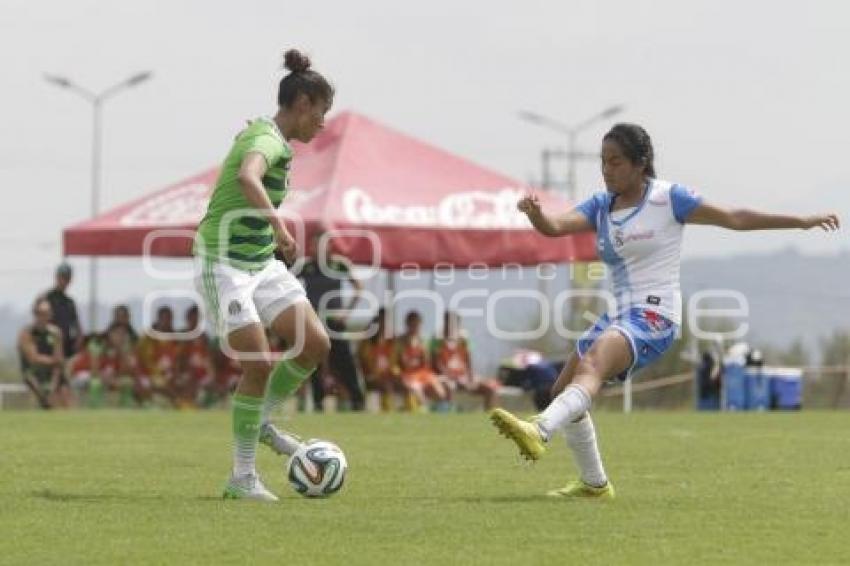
(786, 387)
(757, 384)
(734, 387)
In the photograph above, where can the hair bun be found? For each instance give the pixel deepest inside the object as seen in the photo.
(295, 61)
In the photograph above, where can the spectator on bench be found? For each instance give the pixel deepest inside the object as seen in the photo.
(121, 316)
(379, 363)
(226, 373)
(108, 365)
(119, 367)
(415, 364)
(194, 362)
(157, 352)
(453, 363)
(43, 359)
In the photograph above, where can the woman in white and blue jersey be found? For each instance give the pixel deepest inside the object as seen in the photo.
(639, 221)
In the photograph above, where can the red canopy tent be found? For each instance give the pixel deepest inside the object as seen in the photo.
(424, 205)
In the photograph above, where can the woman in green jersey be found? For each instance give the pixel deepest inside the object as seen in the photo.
(245, 288)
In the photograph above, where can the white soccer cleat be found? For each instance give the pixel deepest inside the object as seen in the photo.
(248, 486)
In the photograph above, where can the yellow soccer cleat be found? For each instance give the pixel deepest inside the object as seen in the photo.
(525, 434)
(579, 490)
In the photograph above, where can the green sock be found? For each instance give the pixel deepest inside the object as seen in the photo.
(125, 392)
(95, 394)
(246, 430)
(284, 379)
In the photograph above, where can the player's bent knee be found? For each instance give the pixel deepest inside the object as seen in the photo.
(316, 348)
(257, 370)
(322, 345)
(588, 365)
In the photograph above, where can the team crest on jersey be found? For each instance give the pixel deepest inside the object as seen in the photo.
(655, 321)
(618, 238)
(234, 307)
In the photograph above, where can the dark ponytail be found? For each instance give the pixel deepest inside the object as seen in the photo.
(302, 80)
(635, 144)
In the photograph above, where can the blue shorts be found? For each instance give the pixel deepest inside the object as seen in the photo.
(648, 333)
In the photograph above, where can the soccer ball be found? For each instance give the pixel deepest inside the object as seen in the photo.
(317, 469)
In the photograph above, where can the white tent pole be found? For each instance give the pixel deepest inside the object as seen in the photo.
(389, 297)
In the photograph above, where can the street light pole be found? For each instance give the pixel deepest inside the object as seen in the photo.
(571, 165)
(95, 207)
(572, 153)
(96, 100)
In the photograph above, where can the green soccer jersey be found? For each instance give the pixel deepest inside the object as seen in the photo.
(232, 230)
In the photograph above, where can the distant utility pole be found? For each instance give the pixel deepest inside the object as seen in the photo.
(96, 100)
(572, 154)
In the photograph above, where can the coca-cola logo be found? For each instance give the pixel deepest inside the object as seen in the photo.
(183, 205)
(465, 209)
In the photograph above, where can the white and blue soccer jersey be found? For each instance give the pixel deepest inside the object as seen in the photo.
(642, 246)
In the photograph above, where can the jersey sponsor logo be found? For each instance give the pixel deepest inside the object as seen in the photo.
(653, 300)
(621, 239)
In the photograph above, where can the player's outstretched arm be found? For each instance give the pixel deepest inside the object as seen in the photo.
(743, 219)
(569, 222)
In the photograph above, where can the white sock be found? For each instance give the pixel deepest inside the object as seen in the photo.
(271, 405)
(244, 459)
(572, 403)
(287, 444)
(246, 429)
(282, 442)
(581, 440)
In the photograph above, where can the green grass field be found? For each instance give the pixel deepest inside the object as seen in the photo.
(142, 487)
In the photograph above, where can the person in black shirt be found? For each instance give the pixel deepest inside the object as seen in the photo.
(65, 311)
(323, 285)
(709, 372)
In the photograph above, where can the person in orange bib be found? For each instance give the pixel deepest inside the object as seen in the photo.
(379, 364)
(108, 365)
(415, 364)
(157, 352)
(119, 368)
(226, 373)
(194, 362)
(453, 363)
